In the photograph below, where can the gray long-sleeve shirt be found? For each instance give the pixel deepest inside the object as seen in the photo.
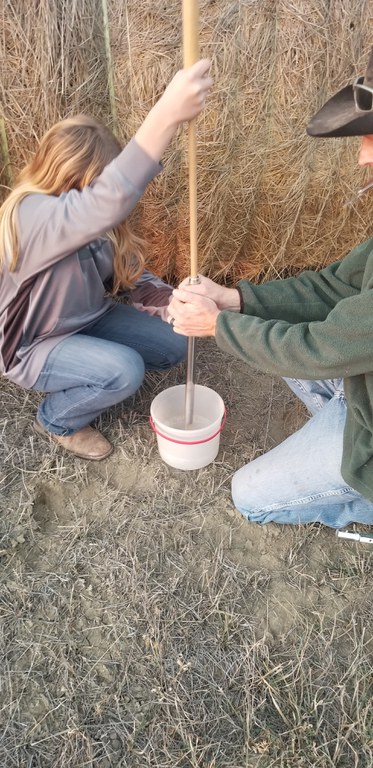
(64, 261)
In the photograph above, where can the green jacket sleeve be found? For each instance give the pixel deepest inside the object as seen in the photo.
(319, 325)
(311, 295)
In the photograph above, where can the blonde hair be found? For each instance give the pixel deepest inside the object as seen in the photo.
(70, 156)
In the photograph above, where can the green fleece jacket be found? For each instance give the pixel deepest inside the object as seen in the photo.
(318, 325)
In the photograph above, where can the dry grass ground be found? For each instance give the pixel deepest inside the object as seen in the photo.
(145, 624)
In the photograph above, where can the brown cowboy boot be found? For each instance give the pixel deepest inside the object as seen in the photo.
(87, 443)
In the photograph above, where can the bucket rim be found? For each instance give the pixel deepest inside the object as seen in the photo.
(183, 386)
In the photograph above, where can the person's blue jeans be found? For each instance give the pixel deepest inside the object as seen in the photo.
(102, 365)
(299, 481)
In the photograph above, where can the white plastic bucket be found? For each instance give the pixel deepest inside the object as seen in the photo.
(198, 445)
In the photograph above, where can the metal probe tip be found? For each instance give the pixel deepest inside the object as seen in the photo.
(364, 538)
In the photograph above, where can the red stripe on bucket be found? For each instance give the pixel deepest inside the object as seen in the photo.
(191, 442)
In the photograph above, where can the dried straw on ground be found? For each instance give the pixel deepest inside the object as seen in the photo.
(271, 200)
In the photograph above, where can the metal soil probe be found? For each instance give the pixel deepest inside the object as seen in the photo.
(191, 55)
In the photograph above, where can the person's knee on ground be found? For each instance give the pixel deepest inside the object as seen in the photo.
(242, 498)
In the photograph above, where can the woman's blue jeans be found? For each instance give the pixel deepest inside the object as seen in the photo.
(102, 365)
(299, 481)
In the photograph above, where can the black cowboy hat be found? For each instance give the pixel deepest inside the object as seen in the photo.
(349, 112)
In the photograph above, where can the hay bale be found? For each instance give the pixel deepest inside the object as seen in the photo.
(52, 66)
(271, 200)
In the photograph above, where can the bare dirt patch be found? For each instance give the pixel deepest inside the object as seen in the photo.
(144, 623)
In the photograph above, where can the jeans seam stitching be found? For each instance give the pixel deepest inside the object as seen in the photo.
(308, 499)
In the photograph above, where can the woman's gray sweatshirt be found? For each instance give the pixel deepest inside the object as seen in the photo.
(66, 262)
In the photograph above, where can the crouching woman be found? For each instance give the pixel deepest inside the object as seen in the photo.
(64, 244)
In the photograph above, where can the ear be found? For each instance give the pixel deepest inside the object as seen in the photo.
(368, 79)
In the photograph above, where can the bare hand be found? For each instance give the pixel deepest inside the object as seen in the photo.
(224, 298)
(192, 314)
(184, 97)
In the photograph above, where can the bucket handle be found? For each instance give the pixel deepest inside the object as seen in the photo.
(190, 442)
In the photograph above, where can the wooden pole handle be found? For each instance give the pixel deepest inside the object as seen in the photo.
(191, 55)
(190, 32)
